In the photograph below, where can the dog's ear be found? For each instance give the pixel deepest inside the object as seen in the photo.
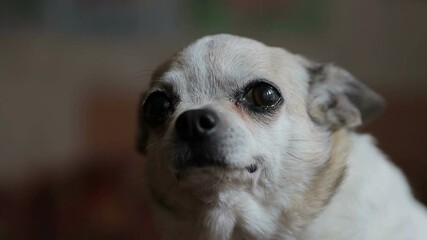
(337, 99)
(142, 132)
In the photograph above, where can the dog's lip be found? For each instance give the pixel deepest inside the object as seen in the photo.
(252, 168)
(199, 161)
(203, 161)
(180, 172)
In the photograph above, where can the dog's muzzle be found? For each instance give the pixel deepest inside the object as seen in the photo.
(198, 137)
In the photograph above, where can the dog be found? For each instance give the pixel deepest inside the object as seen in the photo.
(246, 141)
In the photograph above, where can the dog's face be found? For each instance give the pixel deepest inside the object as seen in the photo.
(232, 108)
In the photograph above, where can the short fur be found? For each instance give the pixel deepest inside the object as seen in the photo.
(315, 177)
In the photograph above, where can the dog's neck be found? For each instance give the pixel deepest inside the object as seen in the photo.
(324, 185)
(302, 209)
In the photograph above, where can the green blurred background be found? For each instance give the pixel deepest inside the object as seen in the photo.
(71, 72)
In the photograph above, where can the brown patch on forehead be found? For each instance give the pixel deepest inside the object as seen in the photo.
(166, 66)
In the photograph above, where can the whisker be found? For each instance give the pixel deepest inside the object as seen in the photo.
(306, 140)
(299, 158)
(165, 140)
(217, 183)
(144, 71)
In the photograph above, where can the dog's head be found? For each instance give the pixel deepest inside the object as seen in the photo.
(234, 107)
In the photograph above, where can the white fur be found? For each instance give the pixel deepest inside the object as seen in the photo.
(373, 201)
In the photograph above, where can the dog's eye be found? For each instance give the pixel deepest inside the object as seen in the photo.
(263, 95)
(156, 108)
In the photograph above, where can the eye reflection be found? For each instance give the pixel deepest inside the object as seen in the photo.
(262, 95)
(156, 108)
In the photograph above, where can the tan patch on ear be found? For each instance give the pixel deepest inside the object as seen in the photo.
(324, 185)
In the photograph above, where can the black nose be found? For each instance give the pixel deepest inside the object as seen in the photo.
(196, 125)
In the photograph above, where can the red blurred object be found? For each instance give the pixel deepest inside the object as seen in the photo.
(97, 201)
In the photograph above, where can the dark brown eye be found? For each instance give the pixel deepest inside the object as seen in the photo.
(263, 95)
(157, 108)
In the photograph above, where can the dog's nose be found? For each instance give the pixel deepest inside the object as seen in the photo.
(196, 125)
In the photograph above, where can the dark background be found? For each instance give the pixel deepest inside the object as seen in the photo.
(71, 73)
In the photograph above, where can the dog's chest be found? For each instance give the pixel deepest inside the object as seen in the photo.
(242, 216)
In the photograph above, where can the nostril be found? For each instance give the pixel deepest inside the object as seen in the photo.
(195, 125)
(207, 122)
(182, 123)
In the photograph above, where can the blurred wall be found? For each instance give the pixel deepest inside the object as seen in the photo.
(47, 65)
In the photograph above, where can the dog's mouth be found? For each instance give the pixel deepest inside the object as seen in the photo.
(210, 170)
(205, 162)
(199, 161)
(207, 158)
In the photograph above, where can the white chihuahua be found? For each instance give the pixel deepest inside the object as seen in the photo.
(246, 141)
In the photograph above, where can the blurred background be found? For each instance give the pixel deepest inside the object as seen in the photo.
(71, 73)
